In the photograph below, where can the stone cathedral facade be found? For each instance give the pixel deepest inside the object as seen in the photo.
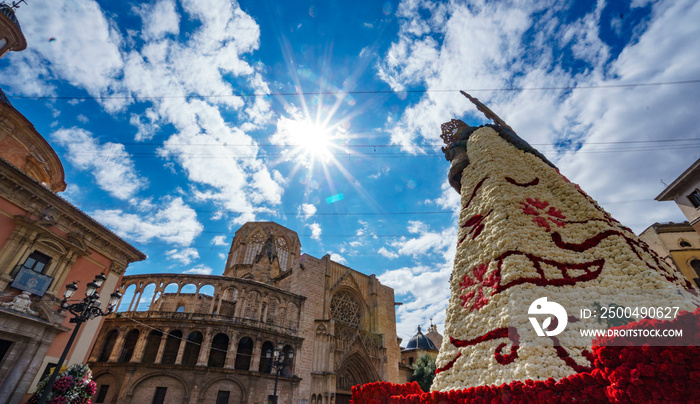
(204, 338)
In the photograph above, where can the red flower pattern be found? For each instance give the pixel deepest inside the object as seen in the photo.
(479, 299)
(622, 374)
(542, 217)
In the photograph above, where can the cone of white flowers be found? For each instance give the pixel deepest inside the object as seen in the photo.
(527, 233)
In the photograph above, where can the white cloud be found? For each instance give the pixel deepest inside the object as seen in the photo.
(219, 240)
(173, 222)
(381, 172)
(449, 199)
(388, 254)
(184, 255)
(110, 164)
(416, 226)
(424, 290)
(159, 19)
(307, 210)
(338, 258)
(427, 242)
(199, 270)
(490, 45)
(211, 61)
(315, 231)
(363, 235)
(85, 51)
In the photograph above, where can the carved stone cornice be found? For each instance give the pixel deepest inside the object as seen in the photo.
(49, 211)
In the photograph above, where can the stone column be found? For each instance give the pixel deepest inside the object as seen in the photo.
(138, 349)
(204, 351)
(13, 250)
(118, 345)
(181, 351)
(255, 360)
(61, 270)
(218, 306)
(161, 347)
(231, 354)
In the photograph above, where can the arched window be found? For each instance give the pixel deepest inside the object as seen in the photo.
(265, 363)
(107, 347)
(180, 309)
(152, 346)
(129, 344)
(192, 347)
(172, 345)
(217, 353)
(346, 309)
(288, 364)
(244, 353)
(695, 264)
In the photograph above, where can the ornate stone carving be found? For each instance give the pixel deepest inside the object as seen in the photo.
(346, 309)
(21, 304)
(345, 380)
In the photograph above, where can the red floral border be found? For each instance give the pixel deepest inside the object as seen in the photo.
(621, 374)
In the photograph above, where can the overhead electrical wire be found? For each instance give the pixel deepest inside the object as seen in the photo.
(356, 92)
(353, 146)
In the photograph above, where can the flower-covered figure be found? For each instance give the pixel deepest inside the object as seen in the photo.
(74, 386)
(526, 232)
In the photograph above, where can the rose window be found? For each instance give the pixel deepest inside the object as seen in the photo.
(346, 309)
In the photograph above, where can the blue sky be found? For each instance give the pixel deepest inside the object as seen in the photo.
(177, 120)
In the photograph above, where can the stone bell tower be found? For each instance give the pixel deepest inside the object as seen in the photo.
(11, 37)
(263, 251)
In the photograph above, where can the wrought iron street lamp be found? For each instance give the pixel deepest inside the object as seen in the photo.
(82, 311)
(277, 361)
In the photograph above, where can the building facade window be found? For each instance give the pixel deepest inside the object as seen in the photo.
(695, 264)
(4, 347)
(172, 345)
(108, 346)
(152, 345)
(192, 347)
(694, 198)
(37, 262)
(102, 394)
(180, 309)
(244, 354)
(288, 364)
(222, 397)
(129, 344)
(159, 395)
(265, 363)
(217, 353)
(346, 309)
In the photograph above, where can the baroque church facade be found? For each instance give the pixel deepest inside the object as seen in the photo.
(46, 243)
(207, 338)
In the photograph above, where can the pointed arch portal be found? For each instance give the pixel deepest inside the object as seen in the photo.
(355, 369)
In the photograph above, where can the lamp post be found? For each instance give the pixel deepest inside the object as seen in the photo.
(82, 311)
(276, 359)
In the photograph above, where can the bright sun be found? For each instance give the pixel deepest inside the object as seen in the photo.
(311, 141)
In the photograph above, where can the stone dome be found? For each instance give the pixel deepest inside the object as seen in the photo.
(420, 341)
